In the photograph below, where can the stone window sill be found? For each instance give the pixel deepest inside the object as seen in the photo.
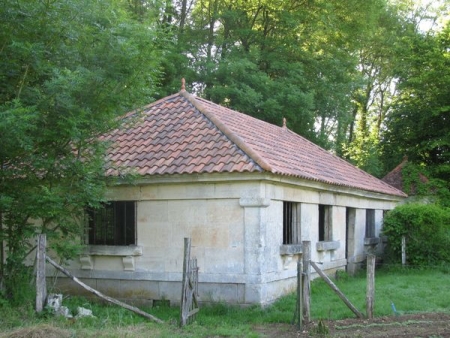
(112, 250)
(127, 253)
(327, 245)
(291, 249)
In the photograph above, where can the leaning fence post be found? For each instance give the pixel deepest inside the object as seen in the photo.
(337, 291)
(41, 285)
(306, 255)
(370, 292)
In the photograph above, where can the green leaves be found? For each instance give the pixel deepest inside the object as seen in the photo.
(418, 125)
(427, 232)
(67, 70)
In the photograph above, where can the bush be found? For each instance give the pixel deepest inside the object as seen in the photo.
(426, 228)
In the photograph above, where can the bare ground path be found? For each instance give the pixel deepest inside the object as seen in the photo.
(430, 325)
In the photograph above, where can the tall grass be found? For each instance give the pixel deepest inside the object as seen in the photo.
(405, 290)
(410, 291)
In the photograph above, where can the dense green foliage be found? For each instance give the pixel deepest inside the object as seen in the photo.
(419, 124)
(426, 228)
(67, 69)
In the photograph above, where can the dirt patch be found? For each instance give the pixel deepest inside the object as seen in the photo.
(418, 325)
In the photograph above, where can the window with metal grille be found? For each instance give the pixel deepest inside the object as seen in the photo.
(325, 223)
(113, 224)
(370, 223)
(291, 223)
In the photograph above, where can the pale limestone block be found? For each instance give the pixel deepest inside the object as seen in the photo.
(201, 191)
(151, 264)
(152, 211)
(327, 198)
(254, 202)
(86, 262)
(271, 291)
(189, 212)
(360, 231)
(232, 190)
(206, 278)
(339, 229)
(109, 287)
(140, 289)
(309, 221)
(253, 293)
(128, 263)
(108, 263)
(220, 211)
(253, 241)
(223, 261)
(123, 193)
(210, 236)
(154, 235)
(112, 250)
(148, 192)
(213, 292)
(237, 234)
(170, 290)
(172, 191)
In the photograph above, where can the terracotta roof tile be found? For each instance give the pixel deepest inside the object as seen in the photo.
(183, 134)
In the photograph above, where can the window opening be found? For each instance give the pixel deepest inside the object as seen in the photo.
(325, 229)
(370, 223)
(291, 223)
(114, 223)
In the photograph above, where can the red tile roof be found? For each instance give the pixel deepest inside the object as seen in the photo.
(395, 178)
(184, 134)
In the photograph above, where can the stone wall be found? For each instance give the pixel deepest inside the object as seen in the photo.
(236, 230)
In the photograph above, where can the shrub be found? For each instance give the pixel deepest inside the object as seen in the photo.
(426, 228)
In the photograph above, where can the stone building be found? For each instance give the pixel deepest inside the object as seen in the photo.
(246, 192)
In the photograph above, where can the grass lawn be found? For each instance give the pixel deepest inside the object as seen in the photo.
(411, 291)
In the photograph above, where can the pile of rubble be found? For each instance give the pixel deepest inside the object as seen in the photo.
(54, 303)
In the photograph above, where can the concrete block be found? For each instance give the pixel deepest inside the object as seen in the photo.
(211, 292)
(86, 262)
(128, 263)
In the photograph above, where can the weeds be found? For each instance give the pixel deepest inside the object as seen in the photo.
(412, 291)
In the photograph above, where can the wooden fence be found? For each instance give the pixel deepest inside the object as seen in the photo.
(303, 304)
(189, 290)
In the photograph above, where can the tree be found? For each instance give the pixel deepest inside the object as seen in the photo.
(293, 59)
(419, 124)
(67, 70)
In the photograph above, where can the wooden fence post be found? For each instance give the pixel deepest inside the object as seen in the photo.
(187, 255)
(299, 294)
(189, 304)
(298, 315)
(403, 250)
(306, 246)
(41, 285)
(370, 293)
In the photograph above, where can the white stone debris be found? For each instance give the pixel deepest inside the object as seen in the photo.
(82, 312)
(54, 302)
